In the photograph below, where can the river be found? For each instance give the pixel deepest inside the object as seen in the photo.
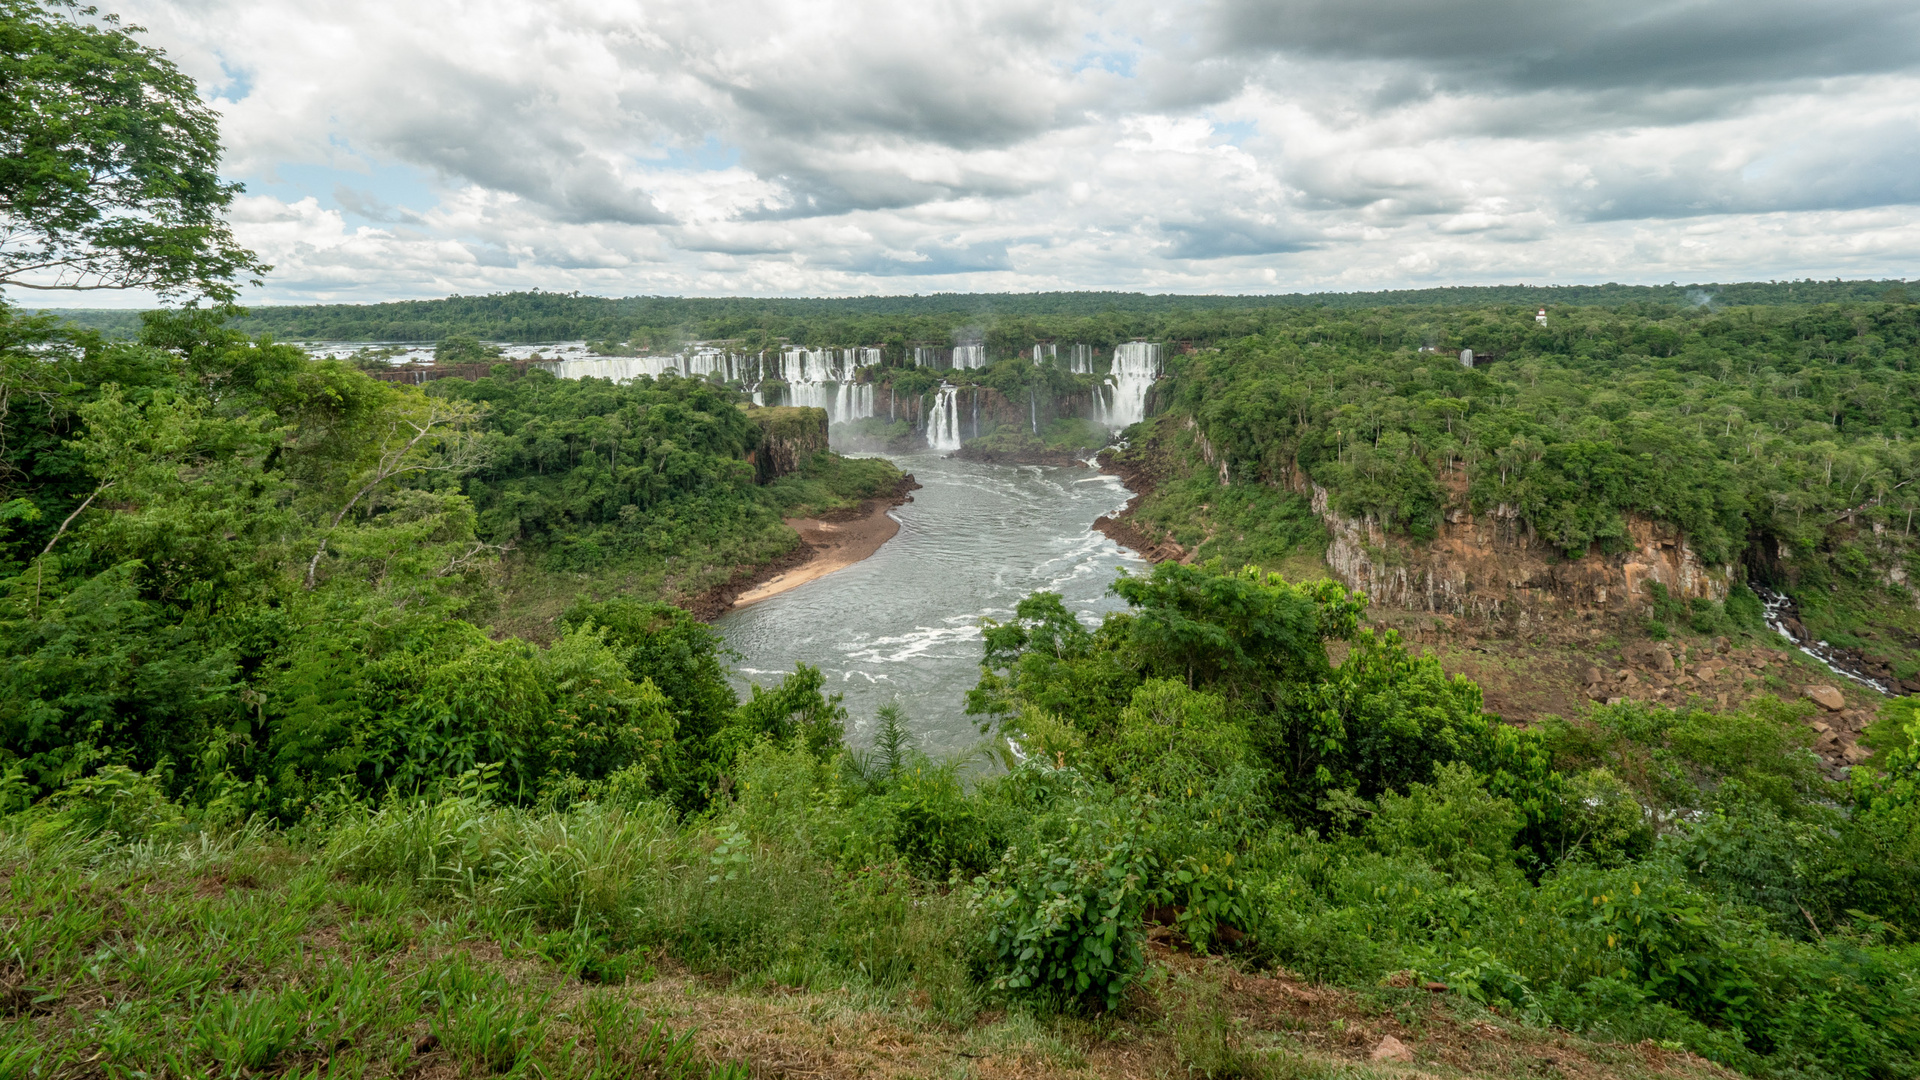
(904, 625)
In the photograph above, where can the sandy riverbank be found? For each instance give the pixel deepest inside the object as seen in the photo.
(836, 545)
(832, 542)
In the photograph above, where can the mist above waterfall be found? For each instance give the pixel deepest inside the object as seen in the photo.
(853, 385)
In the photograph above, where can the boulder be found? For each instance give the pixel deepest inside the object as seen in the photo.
(1826, 697)
(1661, 659)
(1854, 754)
(1593, 675)
(1391, 1049)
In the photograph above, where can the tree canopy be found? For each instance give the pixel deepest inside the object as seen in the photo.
(109, 162)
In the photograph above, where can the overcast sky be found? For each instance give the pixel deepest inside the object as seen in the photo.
(704, 147)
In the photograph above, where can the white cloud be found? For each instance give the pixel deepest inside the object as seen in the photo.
(789, 146)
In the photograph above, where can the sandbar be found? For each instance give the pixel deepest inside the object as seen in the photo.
(836, 545)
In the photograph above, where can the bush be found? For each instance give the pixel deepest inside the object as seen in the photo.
(1062, 917)
(1451, 823)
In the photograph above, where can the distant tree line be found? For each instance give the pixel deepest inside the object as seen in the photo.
(661, 321)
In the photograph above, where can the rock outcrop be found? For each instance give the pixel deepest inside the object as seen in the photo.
(1490, 567)
(789, 437)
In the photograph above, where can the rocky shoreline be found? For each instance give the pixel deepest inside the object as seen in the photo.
(1121, 528)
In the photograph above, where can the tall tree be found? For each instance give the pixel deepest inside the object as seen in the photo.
(108, 162)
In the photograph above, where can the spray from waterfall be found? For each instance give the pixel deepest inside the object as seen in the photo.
(822, 378)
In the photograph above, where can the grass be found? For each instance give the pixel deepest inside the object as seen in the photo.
(251, 959)
(453, 939)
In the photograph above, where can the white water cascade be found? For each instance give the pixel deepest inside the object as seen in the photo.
(969, 357)
(829, 379)
(697, 363)
(1136, 364)
(1044, 353)
(1779, 610)
(1080, 360)
(943, 422)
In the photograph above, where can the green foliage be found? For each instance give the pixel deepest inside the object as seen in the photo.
(1452, 824)
(110, 176)
(1063, 917)
(464, 349)
(1012, 320)
(1675, 759)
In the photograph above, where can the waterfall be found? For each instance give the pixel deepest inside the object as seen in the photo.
(1778, 612)
(1080, 360)
(1136, 365)
(1044, 353)
(829, 379)
(943, 424)
(969, 357)
(696, 362)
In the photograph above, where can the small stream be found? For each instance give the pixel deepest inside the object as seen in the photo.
(904, 625)
(1779, 610)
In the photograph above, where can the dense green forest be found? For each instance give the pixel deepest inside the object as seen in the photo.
(1780, 439)
(1094, 317)
(280, 797)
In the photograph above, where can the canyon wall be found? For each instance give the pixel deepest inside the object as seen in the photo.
(1491, 568)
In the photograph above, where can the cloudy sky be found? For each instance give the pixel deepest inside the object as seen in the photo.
(702, 147)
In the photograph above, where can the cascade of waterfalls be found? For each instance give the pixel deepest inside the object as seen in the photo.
(969, 357)
(829, 379)
(695, 363)
(1080, 360)
(933, 358)
(1135, 365)
(943, 423)
(1780, 619)
(1044, 353)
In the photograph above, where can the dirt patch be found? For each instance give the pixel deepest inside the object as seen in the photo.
(829, 1033)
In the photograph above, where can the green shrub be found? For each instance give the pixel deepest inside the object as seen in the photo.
(1451, 823)
(1062, 917)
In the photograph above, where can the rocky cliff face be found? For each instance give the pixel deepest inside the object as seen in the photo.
(983, 408)
(789, 437)
(1489, 567)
